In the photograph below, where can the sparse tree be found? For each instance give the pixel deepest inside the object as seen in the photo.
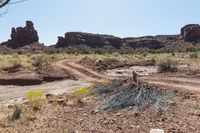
(7, 3)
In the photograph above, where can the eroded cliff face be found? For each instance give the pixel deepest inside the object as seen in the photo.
(191, 33)
(99, 41)
(22, 36)
(91, 40)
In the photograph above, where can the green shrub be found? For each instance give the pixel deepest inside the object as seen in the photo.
(35, 95)
(167, 65)
(82, 92)
(36, 99)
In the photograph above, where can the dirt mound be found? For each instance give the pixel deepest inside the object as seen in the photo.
(111, 63)
(34, 77)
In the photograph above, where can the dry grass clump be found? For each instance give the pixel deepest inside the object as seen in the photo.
(13, 65)
(14, 62)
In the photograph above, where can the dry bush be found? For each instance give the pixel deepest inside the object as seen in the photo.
(40, 61)
(14, 65)
(139, 97)
(167, 65)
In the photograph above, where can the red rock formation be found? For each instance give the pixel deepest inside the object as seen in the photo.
(99, 41)
(22, 36)
(91, 40)
(191, 33)
(25, 35)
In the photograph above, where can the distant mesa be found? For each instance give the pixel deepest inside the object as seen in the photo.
(191, 33)
(27, 39)
(101, 40)
(89, 39)
(22, 36)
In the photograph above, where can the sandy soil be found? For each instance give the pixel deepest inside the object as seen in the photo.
(14, 94)
(85, 76)
(183, 117)
(150, 74)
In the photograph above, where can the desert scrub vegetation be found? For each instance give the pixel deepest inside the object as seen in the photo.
(40, 61)
(12, 64)
(139, 97)
(82, 92)
(166, 65)
(36, 99)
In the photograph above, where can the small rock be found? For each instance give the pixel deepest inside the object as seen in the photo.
(157, 131)
(136, 114)
(70, 103)
(60, 101)
(118, 114)
(75, 131)
(106, 122)
(49, 95)
(84, 114)
(95, 111)
(10, 106)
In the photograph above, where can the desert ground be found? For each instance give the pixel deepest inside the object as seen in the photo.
(68, 92)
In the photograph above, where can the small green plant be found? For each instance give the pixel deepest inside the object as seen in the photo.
(36, 99)
(193, 55)
(35, 95)
(82, 91)
(167, 65)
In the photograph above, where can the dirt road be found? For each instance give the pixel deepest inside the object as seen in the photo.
(79, 71)
(14, 94)
(150, 74)
(178, 83)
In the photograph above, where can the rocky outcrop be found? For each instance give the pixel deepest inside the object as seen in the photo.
(22, 36)
(191, 33)
(91, 40)
(99, 41)
(144, 42)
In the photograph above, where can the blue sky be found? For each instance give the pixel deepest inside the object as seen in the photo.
(122, 18)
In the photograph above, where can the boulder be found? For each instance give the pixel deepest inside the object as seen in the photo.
(157, 131)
